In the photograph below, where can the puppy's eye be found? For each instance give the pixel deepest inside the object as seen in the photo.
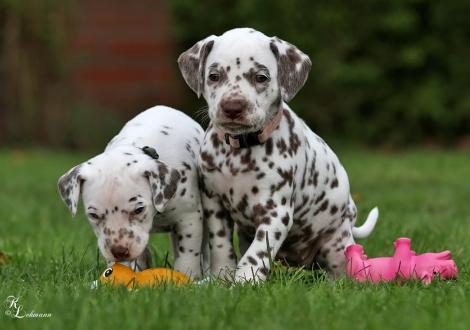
(261, 78)
(108, 272)
(94, 216)
(139, 210)
(214, 77)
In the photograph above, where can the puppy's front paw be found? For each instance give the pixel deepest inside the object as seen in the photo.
(250, 274)
(224, 272)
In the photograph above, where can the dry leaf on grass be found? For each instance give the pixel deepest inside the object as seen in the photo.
(3, 258)
(356, 196)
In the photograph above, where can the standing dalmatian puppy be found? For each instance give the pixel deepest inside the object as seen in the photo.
(262, 169)
(145, 181)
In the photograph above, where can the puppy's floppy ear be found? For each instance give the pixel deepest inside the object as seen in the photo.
(193, 62)
(163, 183)
(70, 185)
(293, 67)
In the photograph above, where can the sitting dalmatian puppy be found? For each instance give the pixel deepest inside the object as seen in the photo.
(262, 169)
(145, 181)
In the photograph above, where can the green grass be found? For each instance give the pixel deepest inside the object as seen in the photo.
(421, 194)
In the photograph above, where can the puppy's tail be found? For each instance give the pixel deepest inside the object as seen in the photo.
(368, 226)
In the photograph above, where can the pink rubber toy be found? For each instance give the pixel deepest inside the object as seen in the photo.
(404, 264)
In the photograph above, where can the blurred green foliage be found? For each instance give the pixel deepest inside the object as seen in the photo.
(384, 72)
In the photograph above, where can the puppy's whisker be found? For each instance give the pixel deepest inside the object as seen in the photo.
(202, 116)
(202, 111)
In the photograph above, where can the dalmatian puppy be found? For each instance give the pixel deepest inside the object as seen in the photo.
(145, 181)
(263, 172)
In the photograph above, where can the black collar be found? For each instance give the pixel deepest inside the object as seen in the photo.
(251, 139)
(245, 140)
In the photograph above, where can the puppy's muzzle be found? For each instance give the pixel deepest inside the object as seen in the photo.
(233, 108)
(120, 252)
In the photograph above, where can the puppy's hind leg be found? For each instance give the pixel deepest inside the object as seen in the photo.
(331, 253)
(206, 253)
(187, 243)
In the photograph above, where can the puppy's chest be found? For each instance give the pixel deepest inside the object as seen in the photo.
(226, 168)
(237, 176)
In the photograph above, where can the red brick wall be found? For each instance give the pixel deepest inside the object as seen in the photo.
(123, 56)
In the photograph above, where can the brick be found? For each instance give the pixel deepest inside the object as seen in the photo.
(122, 56)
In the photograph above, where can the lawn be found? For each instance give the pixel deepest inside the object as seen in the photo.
(421, 194)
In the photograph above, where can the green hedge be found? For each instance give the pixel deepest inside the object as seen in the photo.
(384, 72)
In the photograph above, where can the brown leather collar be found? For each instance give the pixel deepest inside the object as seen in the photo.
(254, 138)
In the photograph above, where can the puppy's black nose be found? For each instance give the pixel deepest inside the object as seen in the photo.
(120, 252)
(233, 108)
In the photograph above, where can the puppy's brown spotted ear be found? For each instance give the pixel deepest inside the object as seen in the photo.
(70, 185)
(163, 183)
(193, 62)
(293, 67)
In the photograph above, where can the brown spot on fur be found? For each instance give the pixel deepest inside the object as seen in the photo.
(334, 183)
(322, 207)
(319, 198)
(243, 204)
(285, 219)
(333, 209)
(263, 271)
(170, 187)
(269, 147)
(262, 254)
(252, 260)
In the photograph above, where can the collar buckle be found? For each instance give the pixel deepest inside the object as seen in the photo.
(254, 138)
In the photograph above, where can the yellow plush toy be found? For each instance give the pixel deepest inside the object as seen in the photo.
(120, 274)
